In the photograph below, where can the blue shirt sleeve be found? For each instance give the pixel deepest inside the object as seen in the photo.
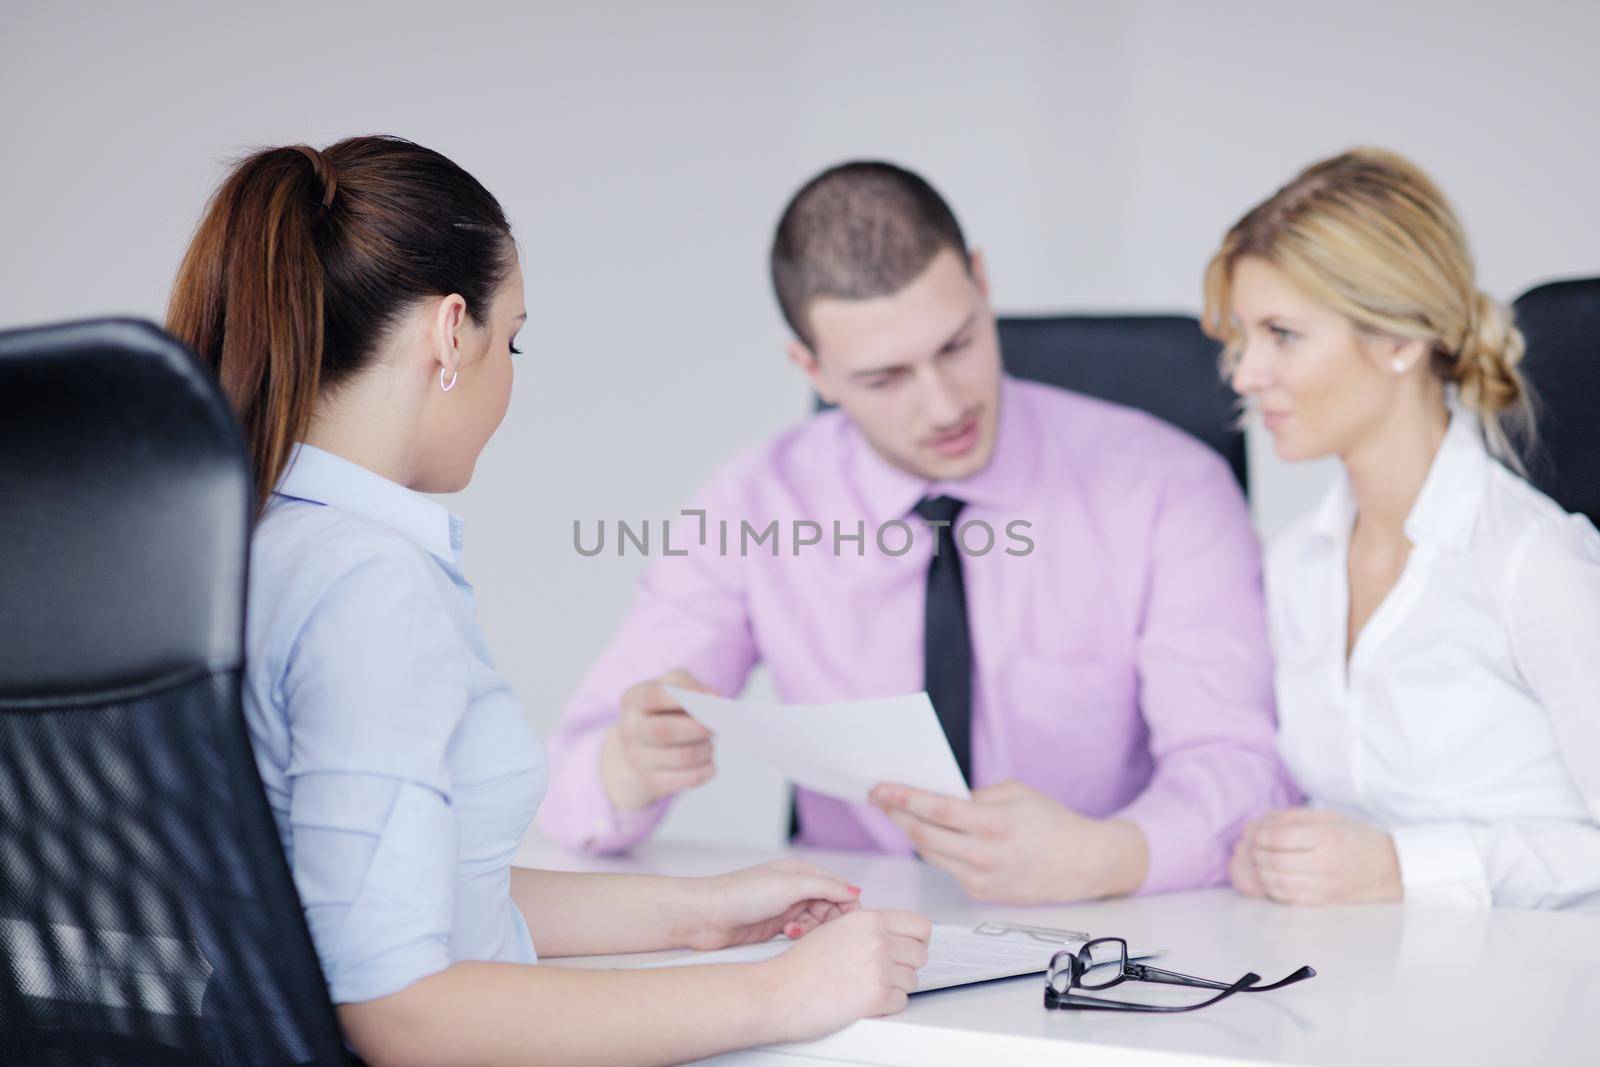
(374, 689)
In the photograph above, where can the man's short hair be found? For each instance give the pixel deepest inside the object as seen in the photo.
(856, 231)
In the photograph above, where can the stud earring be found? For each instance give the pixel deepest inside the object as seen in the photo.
(1397, 363)
(451, 384)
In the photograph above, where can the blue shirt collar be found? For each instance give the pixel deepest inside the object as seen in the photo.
(324, 478)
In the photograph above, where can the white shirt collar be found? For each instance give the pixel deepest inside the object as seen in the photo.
(324, 478)
(1451, 496)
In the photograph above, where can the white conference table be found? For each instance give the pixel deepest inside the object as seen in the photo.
(1395, 984)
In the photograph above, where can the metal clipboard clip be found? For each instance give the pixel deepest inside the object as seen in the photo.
(1050, 935)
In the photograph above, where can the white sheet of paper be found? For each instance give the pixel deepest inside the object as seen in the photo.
(841, 749)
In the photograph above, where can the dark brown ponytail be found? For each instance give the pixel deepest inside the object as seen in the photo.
(304, 260)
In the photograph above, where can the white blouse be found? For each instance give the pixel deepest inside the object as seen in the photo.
(1467, 723)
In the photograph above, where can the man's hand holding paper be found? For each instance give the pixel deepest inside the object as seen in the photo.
(1014, 845)
(841, 749)
(656, 749)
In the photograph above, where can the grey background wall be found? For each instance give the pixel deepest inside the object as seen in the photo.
(1096, 151)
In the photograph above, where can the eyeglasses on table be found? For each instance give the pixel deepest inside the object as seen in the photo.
(1103, 964)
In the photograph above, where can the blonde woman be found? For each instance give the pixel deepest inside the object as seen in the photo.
(1436, 620)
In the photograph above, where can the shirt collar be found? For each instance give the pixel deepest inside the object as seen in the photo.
(1004, 482)
(324, 478)
(1453, 491)
(1337, 510)
(1451, 495)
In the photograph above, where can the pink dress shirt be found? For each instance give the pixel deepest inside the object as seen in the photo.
(1121, 666)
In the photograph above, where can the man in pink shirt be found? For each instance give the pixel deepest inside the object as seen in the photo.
(1076, 584)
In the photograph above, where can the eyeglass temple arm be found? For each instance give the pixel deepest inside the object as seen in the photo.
(1146, 973)
(1078, 1003)
(1298, 976)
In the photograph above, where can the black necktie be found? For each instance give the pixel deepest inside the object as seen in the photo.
(946, 645)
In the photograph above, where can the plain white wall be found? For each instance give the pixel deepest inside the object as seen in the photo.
(1096, 151)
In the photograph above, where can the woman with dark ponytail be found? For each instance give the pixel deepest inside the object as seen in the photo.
(359, 305)
(1436, 621)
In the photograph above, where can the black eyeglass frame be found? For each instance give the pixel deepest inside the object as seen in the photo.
(1077, 966)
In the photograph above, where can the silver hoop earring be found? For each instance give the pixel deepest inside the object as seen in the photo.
(451, 384)
(1397, 363)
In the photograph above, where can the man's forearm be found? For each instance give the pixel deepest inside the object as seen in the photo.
(1187, 809)
(1123, 856)
(577, 811)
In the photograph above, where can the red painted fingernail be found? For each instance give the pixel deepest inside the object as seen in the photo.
(855, 890)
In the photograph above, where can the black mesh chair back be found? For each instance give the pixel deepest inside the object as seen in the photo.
(1561, 322)
(147, 915)
(1161, 364)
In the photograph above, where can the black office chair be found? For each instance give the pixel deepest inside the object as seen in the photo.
(1561, 322)
(147, 915)
(1161, 364)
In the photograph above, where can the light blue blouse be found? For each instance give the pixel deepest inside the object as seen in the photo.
(399, 766)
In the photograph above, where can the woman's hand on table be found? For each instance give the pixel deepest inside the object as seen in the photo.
(788, 897)
(1302, 856)
(862, 964)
